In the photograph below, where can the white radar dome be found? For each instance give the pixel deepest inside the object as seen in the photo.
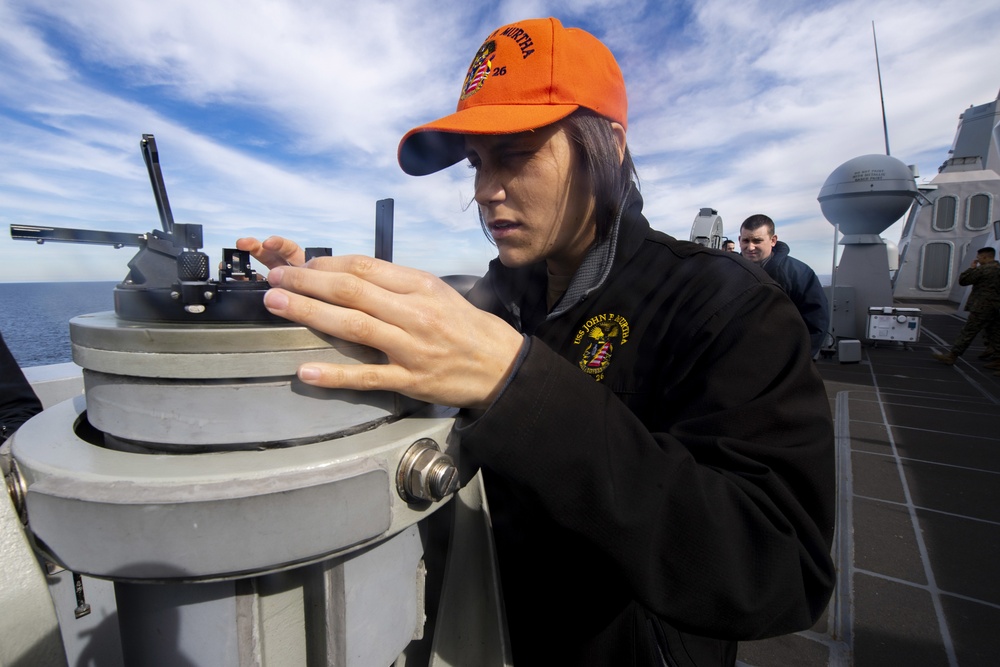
(867, 194)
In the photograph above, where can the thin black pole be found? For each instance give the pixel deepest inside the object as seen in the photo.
(885, 125)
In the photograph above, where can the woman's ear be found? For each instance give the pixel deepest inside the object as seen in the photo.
(619, 132)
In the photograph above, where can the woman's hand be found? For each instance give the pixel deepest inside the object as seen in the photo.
(440, 348)
(273, 251)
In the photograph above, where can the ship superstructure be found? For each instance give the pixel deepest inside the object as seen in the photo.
(957, 214)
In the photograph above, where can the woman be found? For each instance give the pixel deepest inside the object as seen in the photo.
(656, 444)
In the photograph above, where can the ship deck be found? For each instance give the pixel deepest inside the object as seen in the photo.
(918, 539)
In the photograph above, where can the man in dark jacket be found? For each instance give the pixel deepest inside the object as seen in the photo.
(761, 246)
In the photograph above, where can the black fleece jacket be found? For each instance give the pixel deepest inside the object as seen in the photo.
(660, 466)
(18, 402)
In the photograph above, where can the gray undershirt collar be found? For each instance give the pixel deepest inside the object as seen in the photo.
(593, 270)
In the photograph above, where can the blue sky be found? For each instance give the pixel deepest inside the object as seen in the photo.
(284, 116)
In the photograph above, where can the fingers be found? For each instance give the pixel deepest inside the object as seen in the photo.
(317, 313)
(391, 377)
(357, 327)
(443, 376)
(274, 251)
(369, 285)
(439, 348)
(357, 377)
(288, 250)
(388, 276)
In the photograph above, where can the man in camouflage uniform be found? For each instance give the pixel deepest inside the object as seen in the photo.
(983, 306)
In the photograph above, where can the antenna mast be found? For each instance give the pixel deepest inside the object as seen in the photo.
(885, 125)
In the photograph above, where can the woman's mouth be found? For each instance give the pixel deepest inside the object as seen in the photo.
(502, 228)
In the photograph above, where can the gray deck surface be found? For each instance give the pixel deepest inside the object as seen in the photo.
(918, 544)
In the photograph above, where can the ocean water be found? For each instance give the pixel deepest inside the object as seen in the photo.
(34, 317)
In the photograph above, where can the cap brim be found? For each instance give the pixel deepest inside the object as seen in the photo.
(434, 146)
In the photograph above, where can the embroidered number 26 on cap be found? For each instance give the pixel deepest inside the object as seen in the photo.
(525, 75)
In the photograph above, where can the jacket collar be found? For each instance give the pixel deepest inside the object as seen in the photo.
(517, 286)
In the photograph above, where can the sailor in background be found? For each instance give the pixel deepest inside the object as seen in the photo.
(656, 443)
(983, 305)
(761, 246)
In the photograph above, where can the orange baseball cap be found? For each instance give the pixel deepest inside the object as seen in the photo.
(526, 75)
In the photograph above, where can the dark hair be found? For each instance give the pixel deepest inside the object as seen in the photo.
(757, 221)
(609, 180)
(988, 250)
(597, 150)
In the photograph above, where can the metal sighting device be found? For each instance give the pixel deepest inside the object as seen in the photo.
(168, 279)
(220, 512)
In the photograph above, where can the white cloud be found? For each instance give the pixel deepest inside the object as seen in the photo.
(756, 111)
(285, 115)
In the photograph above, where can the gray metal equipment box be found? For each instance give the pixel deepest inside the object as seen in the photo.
(849, 351)
(899, 324)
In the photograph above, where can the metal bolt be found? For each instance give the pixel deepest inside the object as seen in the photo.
(82, 606)
(442, 479)
(18, 491)
(426, 473)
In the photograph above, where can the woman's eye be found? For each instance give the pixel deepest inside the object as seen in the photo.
(501, 159)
